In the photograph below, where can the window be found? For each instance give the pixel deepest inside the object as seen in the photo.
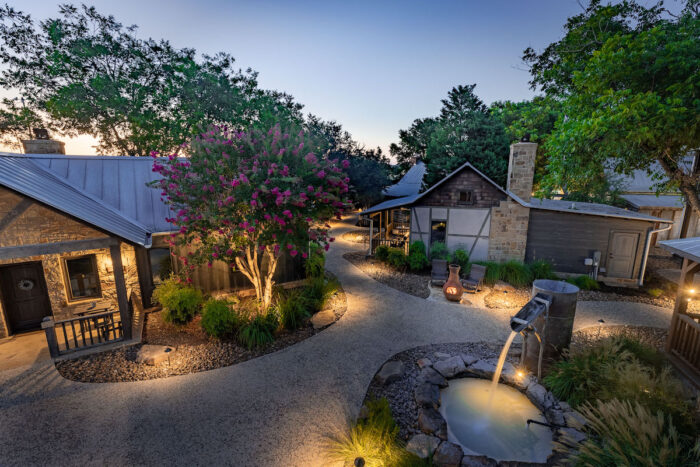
(161, 265)
(465, 197)
(82, 278)
(437, 231)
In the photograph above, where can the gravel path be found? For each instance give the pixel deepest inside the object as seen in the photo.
(273, 410)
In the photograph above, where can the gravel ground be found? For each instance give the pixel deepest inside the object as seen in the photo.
(356, 236)
(195, 351)
(512, 298)
(413, 284)
(655, 337)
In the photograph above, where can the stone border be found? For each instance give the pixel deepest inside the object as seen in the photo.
(435, 376)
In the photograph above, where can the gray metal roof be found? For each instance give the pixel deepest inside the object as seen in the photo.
(391, 204)
(593, 209)
(644, 180)
(117, 181)
(410, 184)
(22, 174)
(653, 201)
(684, 247)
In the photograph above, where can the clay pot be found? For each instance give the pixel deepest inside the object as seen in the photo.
(453, 289)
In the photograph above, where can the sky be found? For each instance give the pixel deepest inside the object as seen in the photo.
(373, 66)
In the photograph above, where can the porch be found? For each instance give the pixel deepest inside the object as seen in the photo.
(391, 227)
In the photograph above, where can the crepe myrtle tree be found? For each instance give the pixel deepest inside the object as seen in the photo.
(242, 197)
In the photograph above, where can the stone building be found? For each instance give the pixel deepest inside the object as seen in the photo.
(467, 210)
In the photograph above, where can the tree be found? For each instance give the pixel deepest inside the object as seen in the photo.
(464, 131)
(242, 197)
(87, 73)
(632, 102)
(16, 123)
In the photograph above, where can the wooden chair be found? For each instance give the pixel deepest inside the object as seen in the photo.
(439, 273)
(474, 282)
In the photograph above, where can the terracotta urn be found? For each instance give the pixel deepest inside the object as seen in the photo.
(453, 289)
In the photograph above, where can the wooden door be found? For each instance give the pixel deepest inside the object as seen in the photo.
(24, 294)
(622, 252)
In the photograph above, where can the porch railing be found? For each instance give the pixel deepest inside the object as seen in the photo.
(684, 340)
(82, 332)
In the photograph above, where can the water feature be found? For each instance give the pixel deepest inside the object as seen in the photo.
(499, 367)
(498, 430)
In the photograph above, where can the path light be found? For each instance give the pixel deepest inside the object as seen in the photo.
(520, 373)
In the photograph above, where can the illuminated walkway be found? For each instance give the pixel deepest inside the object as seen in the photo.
(273, 410)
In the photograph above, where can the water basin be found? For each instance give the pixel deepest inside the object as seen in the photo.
(498, 430)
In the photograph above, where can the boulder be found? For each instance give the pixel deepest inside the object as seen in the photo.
(422, 445)
(154, 354)
(442, 355)
(427, 395)
(478, 461)
(574, 419)
(469, 359)
(424, 362)
(518, 378)
(482, 368)
(322, 319)
(431, 422)
(571, 437)
(555, 416)
(390, 372)
(429, 375)
(450, 367)
(565, 407)
(538, 396)
(448, 455)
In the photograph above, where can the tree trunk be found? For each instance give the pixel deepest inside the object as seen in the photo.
(688, 183)
(250, 268)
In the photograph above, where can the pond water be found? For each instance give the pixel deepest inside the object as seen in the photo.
(498, 430)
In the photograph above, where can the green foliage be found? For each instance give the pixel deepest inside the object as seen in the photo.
(493, 272)
(542, 269)
(417, 259)
(397, 258)
(381, 253)
(644, 353)
(584, 282)
(515, 273)
(259, 330)
(16, 123)
(375, 439)
(318, 291)
(628, 433)
(180, 303)
(654, 292)
(316, 263)
(293, 310)
(219, 319)
(461, 258)
(438, 250)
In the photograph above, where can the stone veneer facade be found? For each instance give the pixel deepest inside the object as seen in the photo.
(510, 220)
(42, 224)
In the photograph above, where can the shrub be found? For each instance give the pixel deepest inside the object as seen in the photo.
(417, 259)
(219, 319)
(656, 293)
(644, 353)
(542, 269)
(584, 282)
(316, 263)
(293, 310)
(493, 272)
(515, 273)
(438, 250)
(258, 331)
(461, 258)
(626, 433)
(397, 258)
(382, 252)
(375, 439)
(317, 292)
(180, 303)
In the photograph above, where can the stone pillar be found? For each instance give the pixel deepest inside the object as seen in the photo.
(43, 146)
(521, 169)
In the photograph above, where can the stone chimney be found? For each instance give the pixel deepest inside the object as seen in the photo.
(521, 169)
(42, 144)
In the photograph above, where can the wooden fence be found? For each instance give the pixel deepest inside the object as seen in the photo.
(684, 339)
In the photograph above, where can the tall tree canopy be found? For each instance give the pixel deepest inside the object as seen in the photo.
(627, 81)
(88, 73)
(464, 131)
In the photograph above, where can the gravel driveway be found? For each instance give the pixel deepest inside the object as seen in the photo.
(273, 410)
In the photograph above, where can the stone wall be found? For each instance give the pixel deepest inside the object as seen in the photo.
(43, 146)
(42, 224)
(508, 235)
(521, 169)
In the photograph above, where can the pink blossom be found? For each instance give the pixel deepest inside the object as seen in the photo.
(321, 174)
(293, 253)
(310, 158)
(346, 164)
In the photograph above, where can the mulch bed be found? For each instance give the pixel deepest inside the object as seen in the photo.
(407, 282)
(195, 351)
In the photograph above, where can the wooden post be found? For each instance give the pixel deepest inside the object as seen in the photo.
(371, 234)
(116, 254)
(143, 267)
(48, 325)
(685, 283)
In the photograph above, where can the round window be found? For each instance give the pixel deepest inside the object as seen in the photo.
(25, 284)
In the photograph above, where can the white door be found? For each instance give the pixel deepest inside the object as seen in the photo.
(622, 251)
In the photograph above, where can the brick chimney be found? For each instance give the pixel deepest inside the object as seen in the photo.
(521, 169)
(42, 144)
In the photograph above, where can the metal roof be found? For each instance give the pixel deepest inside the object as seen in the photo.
(22, 174)
(592, 209)
(685, 247)
(117, 181)
(391, 204)
(653, 201)
(645, 180)
(410, 184)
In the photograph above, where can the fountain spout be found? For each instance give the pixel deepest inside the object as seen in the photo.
(528, 314)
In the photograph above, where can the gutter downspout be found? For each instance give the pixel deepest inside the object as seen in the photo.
(647, 246)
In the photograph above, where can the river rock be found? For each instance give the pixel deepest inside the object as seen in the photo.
(448, 455)
(429, 375)
(478, 461)
(154, 354)
(469, 359)
(427, 395)
(450, 367)
(571, 437)
(431, 422)
(322, 319)
(555, 416)
(422, 445)
(442, 355)
(424, 362)
(574, 419)
(390, 372)
(482, 368)
(537, 395)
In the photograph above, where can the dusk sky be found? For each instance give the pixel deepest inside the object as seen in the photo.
(372, 66)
